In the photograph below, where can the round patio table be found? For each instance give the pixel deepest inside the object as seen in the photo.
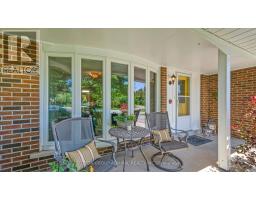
(136, 133)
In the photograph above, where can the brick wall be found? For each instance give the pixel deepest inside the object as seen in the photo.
(213, 97)
(19, 125)
(19, 118)
(204, 88)
(243, 86)
(163, 80)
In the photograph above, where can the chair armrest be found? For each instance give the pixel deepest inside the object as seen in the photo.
(181, 134)
(113, 144)
(57, 156)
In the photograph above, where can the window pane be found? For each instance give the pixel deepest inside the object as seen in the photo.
(139, 94)
(92, 92)
(119, 88)
(184, 86)
(184, 106)
(152, 92)
(60, 90)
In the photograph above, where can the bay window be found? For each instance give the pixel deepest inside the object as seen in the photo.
(79, 84)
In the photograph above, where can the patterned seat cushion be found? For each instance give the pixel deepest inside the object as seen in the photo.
(83, 156)
(161, 136)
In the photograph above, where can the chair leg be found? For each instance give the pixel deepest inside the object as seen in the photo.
(173, 157)
(125, 153)
(162, 158)
(144, 157)
(114, 156)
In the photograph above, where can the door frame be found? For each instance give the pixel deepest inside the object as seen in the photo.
(177, 97)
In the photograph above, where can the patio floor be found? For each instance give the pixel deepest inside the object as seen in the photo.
(195, 158)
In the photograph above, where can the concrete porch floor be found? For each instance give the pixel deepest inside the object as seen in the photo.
(195, 158)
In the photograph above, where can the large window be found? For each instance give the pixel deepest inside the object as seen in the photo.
(59, 90)
(99, 86)
(140, 94)
(92, 92)
(119, 87)
(153, 93)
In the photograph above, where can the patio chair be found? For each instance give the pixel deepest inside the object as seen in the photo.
(164, 158)
(74, 133)
(209, 128)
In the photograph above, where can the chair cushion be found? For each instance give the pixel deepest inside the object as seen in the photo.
(83, 156)
(161, 136)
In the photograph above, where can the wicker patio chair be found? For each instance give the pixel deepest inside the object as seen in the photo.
(74, 133)
(164, 159)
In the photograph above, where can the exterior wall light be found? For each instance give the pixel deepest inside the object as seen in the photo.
(172, 79)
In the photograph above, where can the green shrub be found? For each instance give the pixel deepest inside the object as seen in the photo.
(65, 165)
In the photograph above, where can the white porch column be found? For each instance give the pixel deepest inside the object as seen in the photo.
(224, 144)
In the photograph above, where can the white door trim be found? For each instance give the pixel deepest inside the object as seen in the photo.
(177, 74)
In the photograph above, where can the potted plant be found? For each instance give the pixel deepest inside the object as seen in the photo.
(125, 121)
(65, 165)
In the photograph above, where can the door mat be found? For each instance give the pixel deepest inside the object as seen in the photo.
(197, 140)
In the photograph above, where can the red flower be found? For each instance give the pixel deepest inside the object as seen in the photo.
(124, 107)
(253, 99)
(235, 126)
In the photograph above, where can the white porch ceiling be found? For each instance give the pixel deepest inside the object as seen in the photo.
(180, 48)
(244, 38)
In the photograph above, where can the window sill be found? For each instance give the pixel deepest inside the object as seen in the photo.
(41, 154)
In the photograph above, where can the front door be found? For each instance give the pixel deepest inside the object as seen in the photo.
(183, 102)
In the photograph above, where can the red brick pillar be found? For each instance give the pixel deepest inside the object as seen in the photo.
(163, 80)
(205, 99)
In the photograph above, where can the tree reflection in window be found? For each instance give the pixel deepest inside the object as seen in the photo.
(59, 90)
(119, 87)
(92, 92)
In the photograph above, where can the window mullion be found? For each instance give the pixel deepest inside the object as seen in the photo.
(77, 86)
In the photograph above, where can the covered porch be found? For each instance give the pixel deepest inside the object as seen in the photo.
(105, 72)
(160, 70)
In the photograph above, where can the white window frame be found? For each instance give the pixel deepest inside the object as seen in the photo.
(77, 53)
(157, 98)
(108, 91)
(141, 66)
(78, 88)
(44, 97)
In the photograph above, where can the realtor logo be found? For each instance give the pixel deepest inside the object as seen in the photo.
(20, 48)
